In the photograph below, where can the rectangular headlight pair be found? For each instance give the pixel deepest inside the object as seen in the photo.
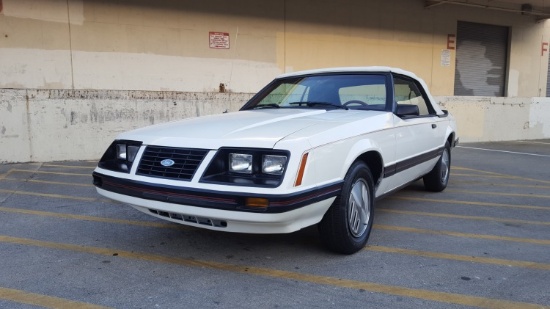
(243, 163)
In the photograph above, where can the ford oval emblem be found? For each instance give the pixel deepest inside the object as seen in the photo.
(167, 162)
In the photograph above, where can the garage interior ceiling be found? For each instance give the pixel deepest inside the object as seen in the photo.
(537, 8)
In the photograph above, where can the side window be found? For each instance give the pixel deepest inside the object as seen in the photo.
(406, 92)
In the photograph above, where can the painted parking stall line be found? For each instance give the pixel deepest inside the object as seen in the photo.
(59, 196)
(488, 174)
(545, 242)
(462, 258)
(476, 203)
(45, 301)
(465, 217)
(506, 151)
(89, 167)
(47, 172)
(540, 196)
(50, 182)
(436, 255)
(533, 142)
(442, 297)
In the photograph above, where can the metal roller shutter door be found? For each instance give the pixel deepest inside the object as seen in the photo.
(481, 58)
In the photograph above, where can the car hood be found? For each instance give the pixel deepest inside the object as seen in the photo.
(256, 128)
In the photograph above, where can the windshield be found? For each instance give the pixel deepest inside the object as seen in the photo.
(342, 91)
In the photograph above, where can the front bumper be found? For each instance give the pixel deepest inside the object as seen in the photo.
(223, 211)
(233, 201)
(228, 220)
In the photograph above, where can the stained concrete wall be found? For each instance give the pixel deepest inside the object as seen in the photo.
(49, 125)
(482, 119)
(164, 45)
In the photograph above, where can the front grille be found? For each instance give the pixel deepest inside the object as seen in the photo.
(185, 162)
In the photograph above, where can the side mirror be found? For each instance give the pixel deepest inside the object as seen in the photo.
(407, 110)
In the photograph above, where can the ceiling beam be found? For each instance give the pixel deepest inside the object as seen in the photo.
(433, 3)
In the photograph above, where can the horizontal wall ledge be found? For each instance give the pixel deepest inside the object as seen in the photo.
(38, 125)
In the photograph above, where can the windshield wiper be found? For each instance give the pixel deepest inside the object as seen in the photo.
(313, 103)
(271, 105)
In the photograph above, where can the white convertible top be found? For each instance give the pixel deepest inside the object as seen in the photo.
(369, 70)
(351, 70)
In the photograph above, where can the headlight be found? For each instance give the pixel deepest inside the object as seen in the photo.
(120, 155)
(247, 167)
(273, 165)
(240, 163)
(127, 152)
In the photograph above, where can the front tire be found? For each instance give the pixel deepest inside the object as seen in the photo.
(438, 178)
(346, 226)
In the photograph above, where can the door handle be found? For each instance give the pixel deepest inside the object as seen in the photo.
(434, 125)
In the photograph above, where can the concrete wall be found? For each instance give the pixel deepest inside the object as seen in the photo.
(164, 45)
(48, 125)
(482, 119)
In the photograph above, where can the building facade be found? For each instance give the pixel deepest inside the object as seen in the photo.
(79, 71)
(172, 45)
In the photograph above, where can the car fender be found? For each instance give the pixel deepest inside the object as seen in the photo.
(358, 149)
(330, 162)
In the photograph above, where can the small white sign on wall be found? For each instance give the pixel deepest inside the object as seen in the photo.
(446, 58)
(219, 40)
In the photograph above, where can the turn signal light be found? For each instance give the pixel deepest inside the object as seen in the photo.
(301, 170)
(256, 202)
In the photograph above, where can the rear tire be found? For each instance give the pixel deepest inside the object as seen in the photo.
(346, 226)
(438, 178)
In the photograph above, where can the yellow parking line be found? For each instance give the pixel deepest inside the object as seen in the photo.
(442, 297)
(50, 182)
(462, 168)
(488, 204)
(53, 173)
(3, 176)
(88, 199)
(504, 185)
(463, 235)
(498, 174)
(463, 258)
(442, 215)
(180, 226)
(45, 301)
(520, 186)
(90, 218)
(499, 193)
(374, 248)
(482, 175)
(71, 166)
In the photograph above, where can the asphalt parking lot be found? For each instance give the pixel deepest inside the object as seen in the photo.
(483, 242)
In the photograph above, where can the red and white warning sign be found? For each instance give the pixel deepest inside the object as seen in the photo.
(219, 40)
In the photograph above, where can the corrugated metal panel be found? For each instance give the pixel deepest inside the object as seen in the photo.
(481, 58)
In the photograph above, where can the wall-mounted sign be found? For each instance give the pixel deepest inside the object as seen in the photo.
(446, 58)
(219, 40)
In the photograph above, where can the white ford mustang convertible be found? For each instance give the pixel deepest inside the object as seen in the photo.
(312, 147)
